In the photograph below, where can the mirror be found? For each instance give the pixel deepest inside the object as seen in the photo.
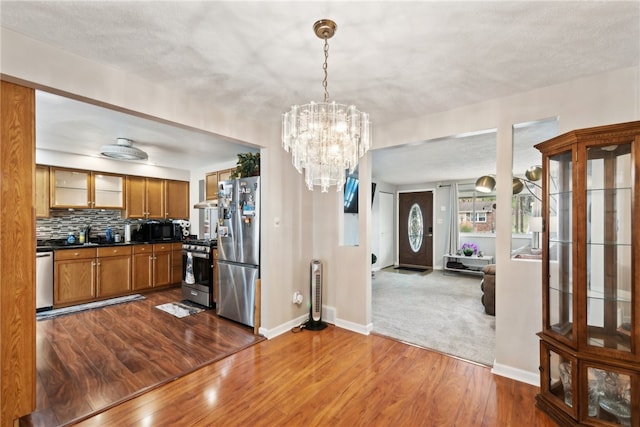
(349, 208)
(526, 203)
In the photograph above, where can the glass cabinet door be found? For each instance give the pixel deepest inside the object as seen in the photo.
(70, 188)
(609, 198)
(559, 310)
(108, 191)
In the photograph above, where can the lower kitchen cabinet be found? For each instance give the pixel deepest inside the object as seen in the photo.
(113, 271)
(142, 275)
(74, 276)
(176, 263)
(162, 264)
(152, 266)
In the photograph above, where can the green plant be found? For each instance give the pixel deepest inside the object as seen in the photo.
(248, 165)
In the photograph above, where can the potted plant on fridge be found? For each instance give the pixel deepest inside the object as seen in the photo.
(248, 165)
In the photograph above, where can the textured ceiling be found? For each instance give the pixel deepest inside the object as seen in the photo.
(391, 59)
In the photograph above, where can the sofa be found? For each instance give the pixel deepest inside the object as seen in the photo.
(488, 287)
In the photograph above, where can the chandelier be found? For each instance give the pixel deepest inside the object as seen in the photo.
(325, 138)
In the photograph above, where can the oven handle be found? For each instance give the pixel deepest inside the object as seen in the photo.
(197, 254)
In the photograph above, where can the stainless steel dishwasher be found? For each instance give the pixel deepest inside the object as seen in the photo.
(44, 280)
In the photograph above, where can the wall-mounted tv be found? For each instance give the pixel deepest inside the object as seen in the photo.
(351, 195)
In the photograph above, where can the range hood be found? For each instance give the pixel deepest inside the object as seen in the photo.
(206, 204)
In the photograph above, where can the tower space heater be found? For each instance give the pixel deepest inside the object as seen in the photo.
(315, 322)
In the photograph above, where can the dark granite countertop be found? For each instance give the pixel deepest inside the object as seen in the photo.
(56, 244)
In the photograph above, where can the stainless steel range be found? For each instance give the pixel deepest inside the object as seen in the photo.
(197, 271)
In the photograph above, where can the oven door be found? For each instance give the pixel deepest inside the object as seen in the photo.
(202, 270)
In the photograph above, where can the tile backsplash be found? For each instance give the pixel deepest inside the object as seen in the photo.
(62, 222)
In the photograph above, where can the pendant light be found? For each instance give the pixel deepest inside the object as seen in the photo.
(325, 138)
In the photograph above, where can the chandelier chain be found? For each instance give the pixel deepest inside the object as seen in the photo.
(324, 67)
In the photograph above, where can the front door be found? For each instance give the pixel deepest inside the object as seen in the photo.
(415, 229)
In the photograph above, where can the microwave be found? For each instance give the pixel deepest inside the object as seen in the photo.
(157, 231)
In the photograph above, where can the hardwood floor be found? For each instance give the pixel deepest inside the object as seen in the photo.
(91, 360)
(333, 377)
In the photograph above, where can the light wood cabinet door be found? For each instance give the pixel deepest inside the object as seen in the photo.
(211, 181)
(74, 281)
(162, 265)
(176, 199)
(114, 276)
(176, 263)
(42, 191)
(155, 198)
(114, 271)
(211, 186)
(225, 175)
(142, 273)
(70, 188)
(136, 197)
(108, 191)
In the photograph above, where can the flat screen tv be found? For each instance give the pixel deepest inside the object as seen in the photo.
(351, 195)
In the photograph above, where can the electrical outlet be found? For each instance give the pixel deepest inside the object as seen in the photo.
(297, 297)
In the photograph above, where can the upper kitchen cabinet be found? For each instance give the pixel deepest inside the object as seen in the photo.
(42, 191)
(211, 182)
(154, 198)
(71, 188)
(176, 199)
(145, 198)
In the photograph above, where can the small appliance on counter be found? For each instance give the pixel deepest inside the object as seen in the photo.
(157, 231)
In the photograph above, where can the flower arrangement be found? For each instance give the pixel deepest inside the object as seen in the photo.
(469, 248)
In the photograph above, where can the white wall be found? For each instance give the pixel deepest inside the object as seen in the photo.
(299, 225)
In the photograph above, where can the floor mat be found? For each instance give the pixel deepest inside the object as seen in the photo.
(180, 309)
(421, 270)
(50, 314)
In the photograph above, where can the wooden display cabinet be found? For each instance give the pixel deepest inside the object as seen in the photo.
(590, 342)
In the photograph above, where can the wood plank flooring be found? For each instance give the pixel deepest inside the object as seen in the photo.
(333, 377)
(91, 360)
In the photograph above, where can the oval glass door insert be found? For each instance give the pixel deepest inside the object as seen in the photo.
(416, 227)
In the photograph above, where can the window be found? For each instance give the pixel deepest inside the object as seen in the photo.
(476, 211)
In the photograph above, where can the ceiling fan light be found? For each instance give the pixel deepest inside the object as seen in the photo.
(123, 150)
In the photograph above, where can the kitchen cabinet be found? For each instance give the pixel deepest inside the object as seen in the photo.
(145, 198)
(155, 198)
(113, 271)
(176, 263)
(85, 274)
(80, 189)
(152, 266)
(211, 182)
(142, 275)
(74, 276)
(176, 199)
(162, 264)
(42, 191)
(590, 341)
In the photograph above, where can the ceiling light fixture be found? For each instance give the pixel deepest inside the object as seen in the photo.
(123, 150)
(324, 138)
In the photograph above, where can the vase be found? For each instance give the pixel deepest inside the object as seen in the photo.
(468, 253)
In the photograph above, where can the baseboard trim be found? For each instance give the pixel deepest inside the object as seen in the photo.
(532, 378)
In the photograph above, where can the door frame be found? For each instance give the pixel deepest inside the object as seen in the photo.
(397, 218)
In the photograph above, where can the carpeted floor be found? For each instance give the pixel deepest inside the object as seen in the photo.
(434, 310)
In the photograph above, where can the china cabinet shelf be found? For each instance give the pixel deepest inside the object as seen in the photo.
(590, 341)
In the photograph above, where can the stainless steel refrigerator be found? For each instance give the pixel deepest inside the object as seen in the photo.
(238, 248)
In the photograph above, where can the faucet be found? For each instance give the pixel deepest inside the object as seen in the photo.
(87, 233)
